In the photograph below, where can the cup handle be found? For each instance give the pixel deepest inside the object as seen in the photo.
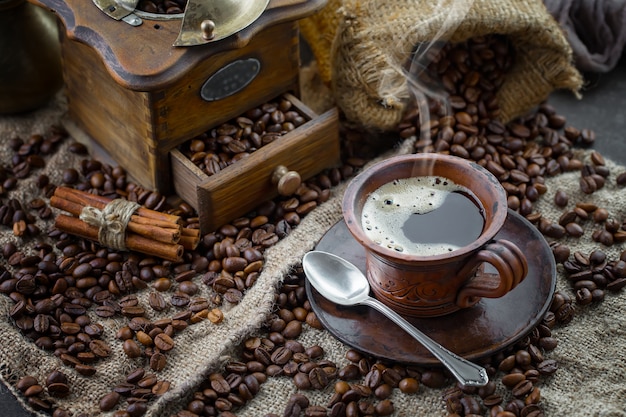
(510, 263)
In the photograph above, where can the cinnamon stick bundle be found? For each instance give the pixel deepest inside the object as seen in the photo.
(77, 227)
(147, 231)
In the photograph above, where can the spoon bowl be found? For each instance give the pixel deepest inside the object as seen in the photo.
(343, 283)
(348, 287)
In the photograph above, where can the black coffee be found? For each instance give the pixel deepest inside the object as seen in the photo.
(423, 216)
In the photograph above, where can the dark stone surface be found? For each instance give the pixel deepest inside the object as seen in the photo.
(602, 109)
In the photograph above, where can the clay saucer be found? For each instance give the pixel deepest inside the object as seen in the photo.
(474, 333)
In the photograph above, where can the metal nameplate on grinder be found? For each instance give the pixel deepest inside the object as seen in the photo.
(230, 79)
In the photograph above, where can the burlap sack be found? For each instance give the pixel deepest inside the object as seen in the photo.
(591, 352)
(363, 46)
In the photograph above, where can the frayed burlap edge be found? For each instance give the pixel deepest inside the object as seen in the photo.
(319, 30)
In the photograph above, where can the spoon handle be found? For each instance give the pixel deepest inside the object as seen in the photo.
(466, 372)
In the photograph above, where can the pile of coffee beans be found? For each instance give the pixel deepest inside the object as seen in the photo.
(59, 290)
(593, 274)
(226, 144)
(29, 156)
(13, 215)
(137, 389)
(41, 397)
(521, 369)
(162, 6)
(520, 154)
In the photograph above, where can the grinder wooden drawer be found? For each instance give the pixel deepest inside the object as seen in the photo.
(241, 186)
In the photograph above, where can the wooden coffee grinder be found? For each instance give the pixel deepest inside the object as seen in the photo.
(140, 84)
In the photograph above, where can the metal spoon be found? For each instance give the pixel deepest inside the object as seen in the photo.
(343, 283)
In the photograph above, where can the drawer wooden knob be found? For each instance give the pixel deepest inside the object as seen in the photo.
(287, 182)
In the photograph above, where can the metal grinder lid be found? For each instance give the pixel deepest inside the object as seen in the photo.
(203, 21)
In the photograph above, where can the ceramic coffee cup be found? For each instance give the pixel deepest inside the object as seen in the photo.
(428, 233)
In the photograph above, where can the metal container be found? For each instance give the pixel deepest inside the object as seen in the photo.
(30, 57)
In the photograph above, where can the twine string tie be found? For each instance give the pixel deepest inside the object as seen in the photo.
(111, 221)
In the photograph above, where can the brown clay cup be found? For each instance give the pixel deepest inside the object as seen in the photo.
(435, 285)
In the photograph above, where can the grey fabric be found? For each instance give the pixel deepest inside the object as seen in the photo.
(596, 30)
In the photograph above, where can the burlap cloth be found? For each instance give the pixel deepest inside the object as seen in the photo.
(591, 352)
(363, 48)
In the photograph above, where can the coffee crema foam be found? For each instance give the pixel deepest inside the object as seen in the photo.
(387, 210)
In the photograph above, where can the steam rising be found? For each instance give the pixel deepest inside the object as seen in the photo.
(447, 15)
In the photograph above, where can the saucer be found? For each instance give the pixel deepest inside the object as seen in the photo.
(474, 333)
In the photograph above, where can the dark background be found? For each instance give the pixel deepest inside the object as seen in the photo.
(602, 109)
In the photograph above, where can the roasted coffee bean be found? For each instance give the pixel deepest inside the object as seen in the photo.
(319, 378)
(134, 376)
(302, 381)
(147, 381)
(470, 406)
(373, 378)
(349, 372)
(295, 405)
(157, 301)
(315, 411)
(383, 391)
(600, 215)
(70, 176)
(109, 401)
(408, 385)
(100, 348)
(547, 367)
(179, 299)
(215, 316)
(522, 389)
(391, 377)
(86, 370)
(162, 284)
(131, 348)
(164, 342)
(219, 384)
(158, 361)
(561, 252)
(281, 356)
(39, 403)
(56, 377)
(105, 311)
(160, 387)
(433, 379)
(511, 380)
(597, 158)
(588, 185)
(33, 390)
(137, 409)
(188, 287)
(293, 329)
(26, 382)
